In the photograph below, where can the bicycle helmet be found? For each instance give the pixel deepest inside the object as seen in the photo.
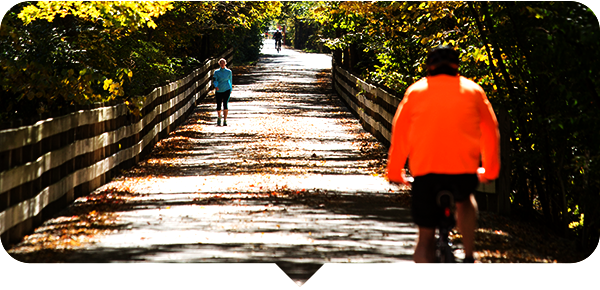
(442, 60)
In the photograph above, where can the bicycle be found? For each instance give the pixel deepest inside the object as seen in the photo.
(445, 201)
(444, 252)
(278, 45)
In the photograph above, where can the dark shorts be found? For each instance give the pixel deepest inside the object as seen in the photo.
(222, 99)
(425, 188)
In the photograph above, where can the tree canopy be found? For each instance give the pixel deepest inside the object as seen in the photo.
(537, 61)
(62, 53)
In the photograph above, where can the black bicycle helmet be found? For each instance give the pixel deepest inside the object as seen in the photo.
(442, 60)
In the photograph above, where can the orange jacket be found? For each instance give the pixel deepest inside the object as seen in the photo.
(444, 125)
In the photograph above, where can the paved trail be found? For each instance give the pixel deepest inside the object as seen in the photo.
(291, 180)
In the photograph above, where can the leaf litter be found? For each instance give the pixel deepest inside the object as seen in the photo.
(278, 151)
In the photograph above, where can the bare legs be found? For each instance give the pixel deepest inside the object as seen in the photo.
(224, 115)
(466, 220)
(425, 249)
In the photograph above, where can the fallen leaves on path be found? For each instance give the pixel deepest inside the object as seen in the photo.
(290, 141)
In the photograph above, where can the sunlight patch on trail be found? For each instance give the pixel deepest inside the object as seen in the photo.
(263, 182)
(292, 178)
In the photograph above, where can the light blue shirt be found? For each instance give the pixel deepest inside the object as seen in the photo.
(222, 79)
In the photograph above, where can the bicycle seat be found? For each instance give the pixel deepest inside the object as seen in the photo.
(445, 198)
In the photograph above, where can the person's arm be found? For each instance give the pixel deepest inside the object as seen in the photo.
(230, 80)
(490, 140)
(215, 81)
(398, 152)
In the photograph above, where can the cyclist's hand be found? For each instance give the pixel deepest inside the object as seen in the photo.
(405, 180)
(480, 173)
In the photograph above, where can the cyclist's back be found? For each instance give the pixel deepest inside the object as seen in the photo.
(441, 116)
(277, 36)
(443, 126)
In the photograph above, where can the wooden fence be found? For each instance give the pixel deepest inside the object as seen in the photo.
(375, 108)
(46, 166)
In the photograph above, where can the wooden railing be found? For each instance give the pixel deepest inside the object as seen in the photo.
(47, 165)
(375, 108)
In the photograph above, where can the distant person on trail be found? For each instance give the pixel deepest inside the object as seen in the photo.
(277, 36)
(443, 125)
(223, 85)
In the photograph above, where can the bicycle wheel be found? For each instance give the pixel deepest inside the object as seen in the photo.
(444, 250)
(449, 256)
(445, 202)
(445, 255)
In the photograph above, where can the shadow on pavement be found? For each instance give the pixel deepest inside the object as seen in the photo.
(292, 180)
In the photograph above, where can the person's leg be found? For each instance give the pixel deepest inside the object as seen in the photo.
(219, 99)
(226, 107)
(423, 212)
(466, 220)
(425, 249)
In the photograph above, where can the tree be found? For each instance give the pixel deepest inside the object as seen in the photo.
(63, 53)
(536, 60)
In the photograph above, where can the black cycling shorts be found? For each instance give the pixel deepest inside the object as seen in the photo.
(424, 192)
(222, 99)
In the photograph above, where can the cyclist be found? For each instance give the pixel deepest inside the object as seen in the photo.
(443, 126)
(277, 36)
(223, 85)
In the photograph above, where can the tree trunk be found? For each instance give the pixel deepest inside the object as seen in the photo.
(563, 194)
(337, 54)
(544, 133)
(524, 194)
(353, 56)
(297, 31)
(503, 184)
(543, 196)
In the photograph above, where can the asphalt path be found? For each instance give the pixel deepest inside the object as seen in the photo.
(290, 180)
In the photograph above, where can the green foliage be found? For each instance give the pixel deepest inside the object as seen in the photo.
(62, 53)
(302, 31)
(539, 61)
(536, 60)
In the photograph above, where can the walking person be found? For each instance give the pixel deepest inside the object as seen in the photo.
(444, 125)
(223, 85)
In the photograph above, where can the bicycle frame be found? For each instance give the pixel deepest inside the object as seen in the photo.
(444, 253)
(445, 202)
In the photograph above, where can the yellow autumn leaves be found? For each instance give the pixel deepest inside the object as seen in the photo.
(124, 14)
(115, 88)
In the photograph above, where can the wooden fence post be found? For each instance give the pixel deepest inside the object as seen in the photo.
(46, 165)
(375, 109)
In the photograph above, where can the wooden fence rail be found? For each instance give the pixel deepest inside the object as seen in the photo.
(375, 108)
(45, 166)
